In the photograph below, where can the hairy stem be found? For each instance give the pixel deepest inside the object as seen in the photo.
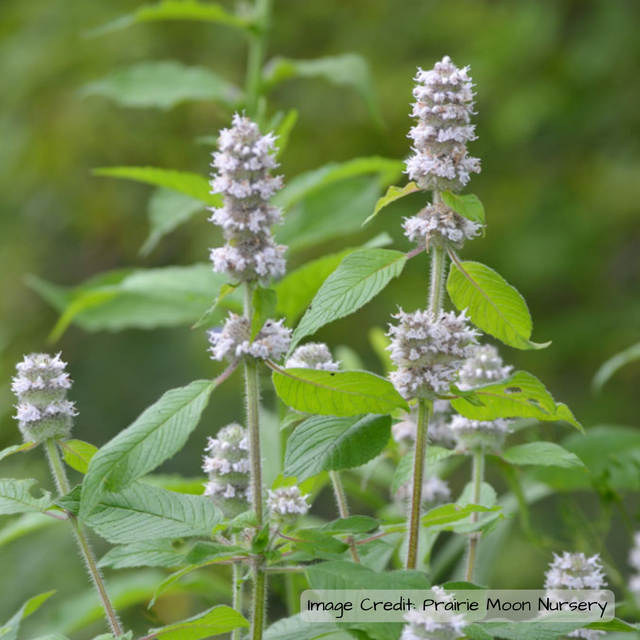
(424, 408)
(343, 509)
(236, 602)
(436, 290)
(474, 538)
(255, 61)
(62, 482)
(259, 602)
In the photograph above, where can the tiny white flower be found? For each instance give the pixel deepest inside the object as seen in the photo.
(287, 502)
(484, 366)
(474, 435)
(314, 355)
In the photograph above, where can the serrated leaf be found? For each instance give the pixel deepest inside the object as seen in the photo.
(264, 305)
(150, 553)
(163, 85)
(331, 444)
(155, 436)
(488, 495)
(205, 552)
(519, 396)
(216, 621)
(190, 184)
(358, 279)
(544, 454)
(167, 210)
(11, 628)
(445, 517)
(77, 454)
(493, 305)
(143, 512)
(404, 470)
(524, 630)
(349, 69)
(328, 393)
(175, 10)
(295, 628)
(16, 448)
(16, 497)
(611, 366)
(393, 194)
(468, 206)
(317, 543)
(351, 524)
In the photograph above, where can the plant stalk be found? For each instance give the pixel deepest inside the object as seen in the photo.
(255, 60)
(259, 602)
(237, 594)
(424, 408)
(343, 509)
(62, 482)
(474, 538)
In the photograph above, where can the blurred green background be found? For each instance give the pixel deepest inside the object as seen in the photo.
(559, 138)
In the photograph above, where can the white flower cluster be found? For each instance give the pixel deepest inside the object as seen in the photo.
(474, 435)
(41, 386)
(575, 571)
(227, 465)
(314, 355)
(234, 340)
(435, 491)
(438, 225)
(439, 431)
(443, 109)
(287, 503)
(428, 351)
(243, 164)
(483, 367)
(434, 625)
(634, 561)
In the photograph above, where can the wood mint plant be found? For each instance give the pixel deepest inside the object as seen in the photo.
(385, 445)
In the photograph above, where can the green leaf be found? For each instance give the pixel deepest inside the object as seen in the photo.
(216, 621)
(9, 630)
(283, 130)
(264, 305)
(404, 470)
(318, 544)
(443, 518)
(331, 444)
(140, 299)
(359, 278)
(15, 497)
(143, 512)
(611, 366)
(175, 10)
(16, 448)
(150, 553)
(203, 552)
(190, 184)
(295, 628)
(328, 393)
(310, 182)
(468, 206)
(167, 210)
(393, 194)
(352, 524)
(493, 304)
(156, 435)
(545, 454)
(519, 396)
(209, 317)
(163, 85)
(77, 454)
(349, 69)
(523, 630)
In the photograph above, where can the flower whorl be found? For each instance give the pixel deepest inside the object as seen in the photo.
(438, 225)
(41, 386)
(434, 625)
(435, 491)
(287, 503)
(474, 435)
(428, 351)
(404, 432)
(234, 340)
(443, 108)
(483, 367)
(228, 468)
(314, 355)
(575, 571)
(243, 163)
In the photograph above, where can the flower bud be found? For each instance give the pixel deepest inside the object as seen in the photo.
(435, 491)
(41, 386)
(484, 366)
(287, 503)
(478, 435)
(439, 226)
(439, 431)
(229, 469)
(314, 355)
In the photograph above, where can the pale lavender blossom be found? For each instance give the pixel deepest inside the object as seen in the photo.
(243, 165)
(435, 624)
(484, 366)
(287, 503)
(435, 491)
(428, 351)
(314, 355)
(439, 432)
(438, 225)
(41, 386)
(443, 109)
(233, 341)
(476, 435)
(228, 467)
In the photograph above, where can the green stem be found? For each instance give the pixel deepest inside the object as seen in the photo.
(237, 593)
(436, 290)
(474, 538)
(424, 408)
(255, 61)
(343, 509)
(259, 602)
(62, 482)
